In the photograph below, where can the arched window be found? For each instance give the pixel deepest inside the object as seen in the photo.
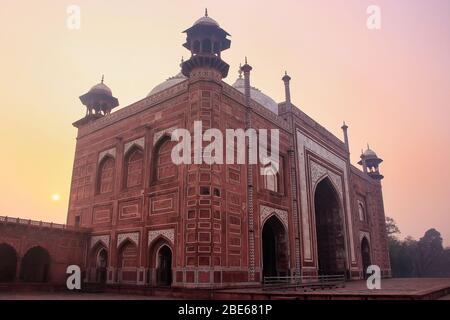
(362, 212)
(163, 166)
(196, 46)
(206, 46)
(271, 179)
(106, 175)
(134, 165)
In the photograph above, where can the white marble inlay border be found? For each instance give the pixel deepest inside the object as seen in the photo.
(304, 142)
(266, 211)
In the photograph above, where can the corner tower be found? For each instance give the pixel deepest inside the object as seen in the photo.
(206, 40)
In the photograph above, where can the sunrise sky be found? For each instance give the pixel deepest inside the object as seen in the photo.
(391, 86)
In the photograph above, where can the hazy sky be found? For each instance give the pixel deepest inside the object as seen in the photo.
(391, 86)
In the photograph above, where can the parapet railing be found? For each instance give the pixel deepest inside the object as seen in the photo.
(42, 224)
(312, 282)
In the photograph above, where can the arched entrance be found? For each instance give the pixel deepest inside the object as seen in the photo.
(164, 268)
(35, 265)
(329, 230)
(274, 249)
(365, 256)
(8, 263)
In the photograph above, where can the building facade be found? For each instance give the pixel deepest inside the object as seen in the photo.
(152, 222)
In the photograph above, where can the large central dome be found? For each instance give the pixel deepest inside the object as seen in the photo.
(168, 83)
(257, 95)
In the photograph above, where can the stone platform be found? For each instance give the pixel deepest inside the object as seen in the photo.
(391, 289)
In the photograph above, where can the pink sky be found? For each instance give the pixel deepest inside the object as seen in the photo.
(391, 85)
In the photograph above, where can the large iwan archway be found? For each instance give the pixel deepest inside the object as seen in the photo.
(8, 263)
(329, 230)
(274, 248)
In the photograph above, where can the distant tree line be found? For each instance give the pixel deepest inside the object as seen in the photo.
(425, 257)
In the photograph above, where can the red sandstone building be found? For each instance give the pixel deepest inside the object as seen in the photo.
(136, 218)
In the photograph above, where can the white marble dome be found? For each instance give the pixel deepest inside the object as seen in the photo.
(168, 83)
(257, 95)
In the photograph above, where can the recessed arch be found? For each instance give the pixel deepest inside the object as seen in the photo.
(274, 248)
(161, 261)
(127, 260)
(365, 255)
(8, 263)
(98, 257)
(330, 237)
(133, 166)
(105, 174)
(163, 168)
(35, 266)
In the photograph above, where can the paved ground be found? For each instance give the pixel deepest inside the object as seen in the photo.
(389, 287)
(72, 296)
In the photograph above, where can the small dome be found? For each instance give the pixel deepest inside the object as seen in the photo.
(257, 95)
(369, 153)
(206, 21)
(168, 83)
(101, 88)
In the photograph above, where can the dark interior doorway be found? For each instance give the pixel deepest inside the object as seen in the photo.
(274, 249)
(365, 256)
(329, 230)
(164, 269)
(35, 265)
(8, 263)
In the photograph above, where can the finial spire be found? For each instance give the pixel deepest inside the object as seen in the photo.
(206, 12)
(368, 147)
(245, 59)
(103, 77)
(240, 71)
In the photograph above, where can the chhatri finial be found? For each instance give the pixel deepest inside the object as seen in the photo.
(368, 147)
(206, 12)
(103, 77)
(240, 71)
(245, 59)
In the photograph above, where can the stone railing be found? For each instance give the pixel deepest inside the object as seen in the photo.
(40, 224)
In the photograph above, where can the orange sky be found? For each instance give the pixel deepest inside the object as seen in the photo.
(391, 86)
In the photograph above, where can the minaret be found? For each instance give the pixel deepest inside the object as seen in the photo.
(206, 41)
(246, 68)
(370, 162)
(287, 90)
(345, 130)
(99, 102)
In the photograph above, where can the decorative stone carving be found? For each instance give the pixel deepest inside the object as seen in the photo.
(167, 233)
(159, 134)
(132, 236)
(364, 234)
(265, 212)
(111, 152)
(138, 142)
(101, 238)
